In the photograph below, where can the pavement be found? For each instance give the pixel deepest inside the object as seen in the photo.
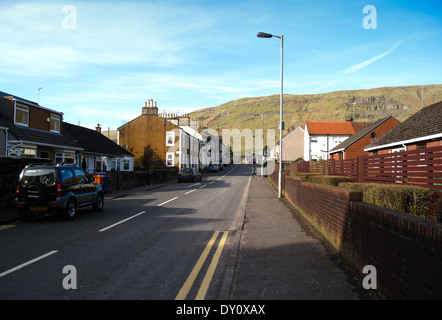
(280, 256)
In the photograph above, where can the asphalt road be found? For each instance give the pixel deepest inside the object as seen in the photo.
(168, 243)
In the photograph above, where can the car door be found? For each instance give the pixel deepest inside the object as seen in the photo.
(84, 188)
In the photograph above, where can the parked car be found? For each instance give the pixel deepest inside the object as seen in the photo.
(213, 168)
(45, 189)
(189, 174)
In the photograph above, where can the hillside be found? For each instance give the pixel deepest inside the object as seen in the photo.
(365, 105)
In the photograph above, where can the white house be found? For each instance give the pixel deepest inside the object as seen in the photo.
(321, 137)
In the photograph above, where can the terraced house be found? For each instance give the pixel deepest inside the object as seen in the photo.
(160, 139)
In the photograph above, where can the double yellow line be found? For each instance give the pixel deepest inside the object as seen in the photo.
(6, 226)
(199, 264)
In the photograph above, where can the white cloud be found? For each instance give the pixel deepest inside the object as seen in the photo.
(366, 63)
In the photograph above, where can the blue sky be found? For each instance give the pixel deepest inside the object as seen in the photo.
(99, 61)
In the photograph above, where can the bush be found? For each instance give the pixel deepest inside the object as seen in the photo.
(409, 199)
(328, 180)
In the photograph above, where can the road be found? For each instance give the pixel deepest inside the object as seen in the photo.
(167, 243)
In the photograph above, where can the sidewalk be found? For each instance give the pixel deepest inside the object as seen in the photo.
(281, 258)
(9, 214)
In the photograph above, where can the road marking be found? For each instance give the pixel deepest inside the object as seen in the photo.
(219, 178)
(184, 291)
(7, 226)
(195, 184)
(190, 191)
(212, 182)
(167, 201)
(191, 279)
(203, 186)
(122, 221)
(209, 274)
(27, 263)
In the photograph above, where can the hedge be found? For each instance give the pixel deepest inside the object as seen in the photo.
(409, 199)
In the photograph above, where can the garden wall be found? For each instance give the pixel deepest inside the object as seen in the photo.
(406, 250)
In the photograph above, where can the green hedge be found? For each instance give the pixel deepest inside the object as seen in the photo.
(409, 199)
(328, 180)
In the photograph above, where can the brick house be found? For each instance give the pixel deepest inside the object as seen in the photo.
(353, 147)
(28, 130)
(421, 130)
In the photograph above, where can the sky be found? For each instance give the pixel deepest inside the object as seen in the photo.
(99, 61)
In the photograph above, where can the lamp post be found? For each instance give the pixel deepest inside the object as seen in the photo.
(268, 35)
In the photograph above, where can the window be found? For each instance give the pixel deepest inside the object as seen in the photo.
(169, 159)
(55, 123)
(65, 157)
(80, 176)
(313, 139)
(21, 115)
(67, 176)
(170, 138)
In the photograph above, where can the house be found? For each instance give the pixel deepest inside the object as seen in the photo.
(292, 146)
(353, 147)
(99, 153)
(30, 130)
(154, 139)
(421, 130)
(321, 137)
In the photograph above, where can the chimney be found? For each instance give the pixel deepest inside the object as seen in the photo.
(98, 128)
(150, 108)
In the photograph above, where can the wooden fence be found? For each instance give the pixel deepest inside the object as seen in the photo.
(421, 167)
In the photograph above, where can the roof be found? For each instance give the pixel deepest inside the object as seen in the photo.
(93, 141)
(40, 137)
(423, 125)
(359, 134)
(5, 95)
(335, 128)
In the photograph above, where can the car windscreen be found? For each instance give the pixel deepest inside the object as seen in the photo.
(43, 176)
(186, 170)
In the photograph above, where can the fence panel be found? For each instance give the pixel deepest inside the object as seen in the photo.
(422, 167)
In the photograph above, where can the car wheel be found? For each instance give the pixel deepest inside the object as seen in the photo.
(99, 203)
(69, 212)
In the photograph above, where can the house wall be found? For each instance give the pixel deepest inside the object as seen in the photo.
(318, 150)
(147, 131)
(357, 148)
(293, 145)
(37, 116)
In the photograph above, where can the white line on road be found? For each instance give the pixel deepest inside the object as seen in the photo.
(27, 263)
(190, 191)
(167, 201)
(204, 185)
(116, 224)
(212, 182)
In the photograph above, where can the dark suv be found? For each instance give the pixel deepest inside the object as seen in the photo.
(56, 188)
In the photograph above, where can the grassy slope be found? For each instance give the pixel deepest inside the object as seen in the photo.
(369, 105)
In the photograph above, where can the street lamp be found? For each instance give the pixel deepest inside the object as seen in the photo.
(281, 128)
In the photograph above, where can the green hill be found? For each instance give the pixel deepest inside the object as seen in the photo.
(363, 105)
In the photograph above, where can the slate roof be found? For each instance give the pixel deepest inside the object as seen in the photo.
(40, 137)
(359, 134)
(334, 128)
(426, 122)
(94, 142)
